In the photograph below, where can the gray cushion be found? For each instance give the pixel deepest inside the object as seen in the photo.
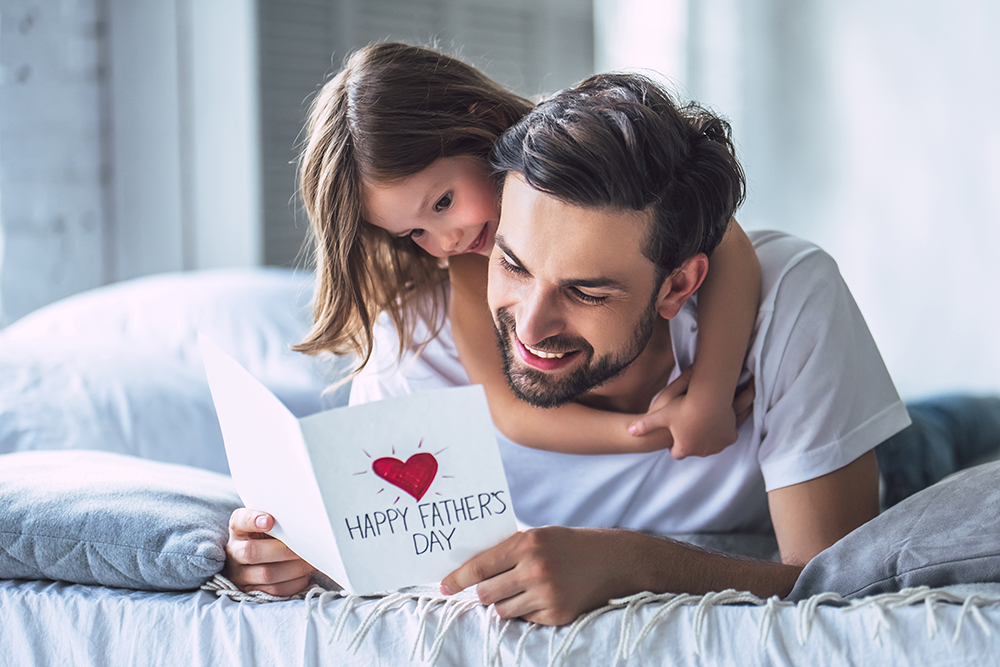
(946, 534)
(101, 518)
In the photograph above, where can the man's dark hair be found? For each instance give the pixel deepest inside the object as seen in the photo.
(618, 141)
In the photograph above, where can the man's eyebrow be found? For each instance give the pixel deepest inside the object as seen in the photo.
(502, 243)
(600, 282)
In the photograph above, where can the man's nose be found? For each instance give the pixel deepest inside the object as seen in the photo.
(540, 318)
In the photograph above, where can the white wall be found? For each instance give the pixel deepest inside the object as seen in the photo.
(225, 152)
(869, 127)
(146, 144)
(52, 169)
(186, 135)
(130, 143)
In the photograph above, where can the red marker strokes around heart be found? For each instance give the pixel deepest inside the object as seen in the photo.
(414, 476)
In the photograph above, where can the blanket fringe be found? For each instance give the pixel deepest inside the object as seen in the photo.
(224, 588)
(561, 640)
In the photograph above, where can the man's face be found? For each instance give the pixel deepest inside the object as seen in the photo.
(572, 295)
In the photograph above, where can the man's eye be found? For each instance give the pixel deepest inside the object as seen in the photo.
(589, 298)
(510, 267)
(444, 203)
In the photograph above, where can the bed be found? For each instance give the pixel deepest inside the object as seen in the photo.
(114, 484)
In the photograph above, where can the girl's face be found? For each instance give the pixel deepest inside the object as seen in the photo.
(448, 208)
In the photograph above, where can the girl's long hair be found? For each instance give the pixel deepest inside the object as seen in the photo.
(388, 114)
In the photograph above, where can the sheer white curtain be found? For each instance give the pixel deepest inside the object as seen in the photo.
(870, 128)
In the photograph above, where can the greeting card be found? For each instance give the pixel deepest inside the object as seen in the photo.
(377, 496)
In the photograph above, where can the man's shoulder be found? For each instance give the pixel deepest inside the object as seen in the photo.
(790, 266)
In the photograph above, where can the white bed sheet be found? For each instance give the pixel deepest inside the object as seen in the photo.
(47, 623)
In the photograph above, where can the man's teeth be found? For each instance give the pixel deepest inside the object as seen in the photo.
(545, 355)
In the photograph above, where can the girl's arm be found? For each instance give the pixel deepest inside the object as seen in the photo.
(702, 421)
(572, 428)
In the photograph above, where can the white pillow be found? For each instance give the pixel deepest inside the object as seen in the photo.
(255, 315)
(107, 399)
(118, 368)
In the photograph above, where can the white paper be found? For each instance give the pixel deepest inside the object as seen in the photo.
(376, 496)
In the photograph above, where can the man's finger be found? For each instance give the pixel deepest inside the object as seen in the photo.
(253, 577)
(283, 589)
(517, 606)
(481, 567)
(501, 588)
(260, 551)
(744, 402)
(743, 416)
(245, 523)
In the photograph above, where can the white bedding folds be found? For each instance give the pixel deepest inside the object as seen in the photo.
(90, 625)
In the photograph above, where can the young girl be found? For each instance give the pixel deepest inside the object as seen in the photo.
(396, 181)
(395, 178)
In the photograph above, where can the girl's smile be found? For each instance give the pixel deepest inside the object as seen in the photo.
(449, 208)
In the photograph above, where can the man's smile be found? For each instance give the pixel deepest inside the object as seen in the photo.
(542, 359)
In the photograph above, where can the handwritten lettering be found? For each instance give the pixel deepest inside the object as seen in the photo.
(375, 523)
(450, 511)
(423, 544)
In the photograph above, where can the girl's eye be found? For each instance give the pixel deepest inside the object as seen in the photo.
(416, 233)
(589, 298)
(443, 204)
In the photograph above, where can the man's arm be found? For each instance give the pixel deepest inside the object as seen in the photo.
(553, 574)
(811, 516)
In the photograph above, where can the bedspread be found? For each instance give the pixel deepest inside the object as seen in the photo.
(55, 623)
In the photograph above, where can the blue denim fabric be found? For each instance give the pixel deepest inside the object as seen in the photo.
(948, 433)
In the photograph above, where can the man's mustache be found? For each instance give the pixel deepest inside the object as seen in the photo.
(506, 326)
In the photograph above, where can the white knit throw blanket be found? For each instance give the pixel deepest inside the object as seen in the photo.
(429, 602)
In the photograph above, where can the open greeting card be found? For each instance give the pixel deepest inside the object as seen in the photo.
(376, 496)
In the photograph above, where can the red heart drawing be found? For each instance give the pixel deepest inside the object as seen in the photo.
(414, 476)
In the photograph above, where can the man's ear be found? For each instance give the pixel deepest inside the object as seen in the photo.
(681, 285)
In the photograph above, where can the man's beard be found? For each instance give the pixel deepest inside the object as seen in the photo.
(542, 391)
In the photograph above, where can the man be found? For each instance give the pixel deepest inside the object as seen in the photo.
(612, 199)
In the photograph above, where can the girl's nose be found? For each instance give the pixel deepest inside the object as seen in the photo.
(450, 240)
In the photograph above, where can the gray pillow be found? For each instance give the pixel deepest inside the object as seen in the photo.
(93, 517)
(947, 534)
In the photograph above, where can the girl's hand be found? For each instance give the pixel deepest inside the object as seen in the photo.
(693, 428)
(255, 561)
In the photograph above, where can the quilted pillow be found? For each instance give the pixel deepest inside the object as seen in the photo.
(947, 534)
(92, 517)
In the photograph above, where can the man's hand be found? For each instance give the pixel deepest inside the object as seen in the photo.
(694, 428)
(550, 575)
(255, 561)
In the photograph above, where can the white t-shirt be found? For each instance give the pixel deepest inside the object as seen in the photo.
(824, 397)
